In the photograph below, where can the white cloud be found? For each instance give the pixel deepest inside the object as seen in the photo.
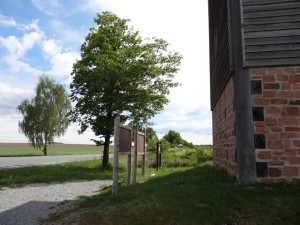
(12, 45)
(7, 21)
(96, 5)
(10, 132)
(66, 33)
(17, 47)
(198, 132)
(16, 66)
(11, 22)
(51, 47)
(31, 39)
(48, 7)
(11, 96)
(62, 63)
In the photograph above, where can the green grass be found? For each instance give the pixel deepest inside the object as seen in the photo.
(181, 157)
(12, 150)
(79, 170)
(191, 196)
(181, 195)
(87, 170)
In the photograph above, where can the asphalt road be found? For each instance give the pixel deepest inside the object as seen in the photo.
(15, 162)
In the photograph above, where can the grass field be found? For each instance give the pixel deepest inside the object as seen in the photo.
(25, 149)
(201, 195)
(179, 193)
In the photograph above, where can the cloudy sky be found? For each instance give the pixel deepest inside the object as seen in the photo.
(44, 37)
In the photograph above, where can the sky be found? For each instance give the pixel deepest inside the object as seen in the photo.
(44, 37)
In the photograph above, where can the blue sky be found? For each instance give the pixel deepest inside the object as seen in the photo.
(44, 37)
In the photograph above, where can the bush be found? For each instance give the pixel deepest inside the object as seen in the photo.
(181, 157)
(204, 154)
(151, 145)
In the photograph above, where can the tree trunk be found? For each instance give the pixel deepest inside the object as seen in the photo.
(45, 150)
(105, 158)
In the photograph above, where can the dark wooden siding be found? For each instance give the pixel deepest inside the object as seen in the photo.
(220, 69)
(271, 30)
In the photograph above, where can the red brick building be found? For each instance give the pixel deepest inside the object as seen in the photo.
(255, 88)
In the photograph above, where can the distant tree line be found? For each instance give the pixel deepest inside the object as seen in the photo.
(170, 140)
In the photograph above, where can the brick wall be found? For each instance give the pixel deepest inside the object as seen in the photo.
(276, 115)
(224, 140)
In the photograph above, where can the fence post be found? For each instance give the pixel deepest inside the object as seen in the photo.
(135, 163)
(116, 154)
(144, 154)
(157, 155)
(129, 168)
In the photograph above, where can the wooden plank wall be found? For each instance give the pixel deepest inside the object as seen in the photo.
(271, 30)
(219, 48)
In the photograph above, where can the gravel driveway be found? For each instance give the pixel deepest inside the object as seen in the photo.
(26, 205)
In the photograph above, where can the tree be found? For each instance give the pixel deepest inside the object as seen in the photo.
(151, 139)
(150, 134)
(119, 72)
(45, 116)
(173, 137)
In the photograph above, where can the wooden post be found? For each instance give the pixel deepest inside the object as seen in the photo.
(159, 152)
(129, 168)
(116, 155)
(144, 155)
(157, 155)
(129, 157)
(246, 161)
(135, 154)
(143, 164)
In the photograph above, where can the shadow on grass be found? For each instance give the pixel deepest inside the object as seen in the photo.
(201, 195)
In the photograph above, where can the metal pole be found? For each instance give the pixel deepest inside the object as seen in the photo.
(116, 155)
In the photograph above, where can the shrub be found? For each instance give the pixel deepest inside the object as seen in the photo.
(181, 157)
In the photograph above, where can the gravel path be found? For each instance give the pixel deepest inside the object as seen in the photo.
(28, 204)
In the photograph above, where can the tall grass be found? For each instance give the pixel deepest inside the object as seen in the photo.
(181, 157)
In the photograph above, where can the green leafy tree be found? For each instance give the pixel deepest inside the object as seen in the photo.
(173, 137)
(165, 145)
(45, 116)
(150, 134)
(151, 139)
(119, 72)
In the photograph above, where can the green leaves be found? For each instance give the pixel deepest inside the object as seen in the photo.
(45, 116)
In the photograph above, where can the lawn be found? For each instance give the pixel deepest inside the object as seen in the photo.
(188, 196)
(85, 170)
(25, 149)
(178, 193)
